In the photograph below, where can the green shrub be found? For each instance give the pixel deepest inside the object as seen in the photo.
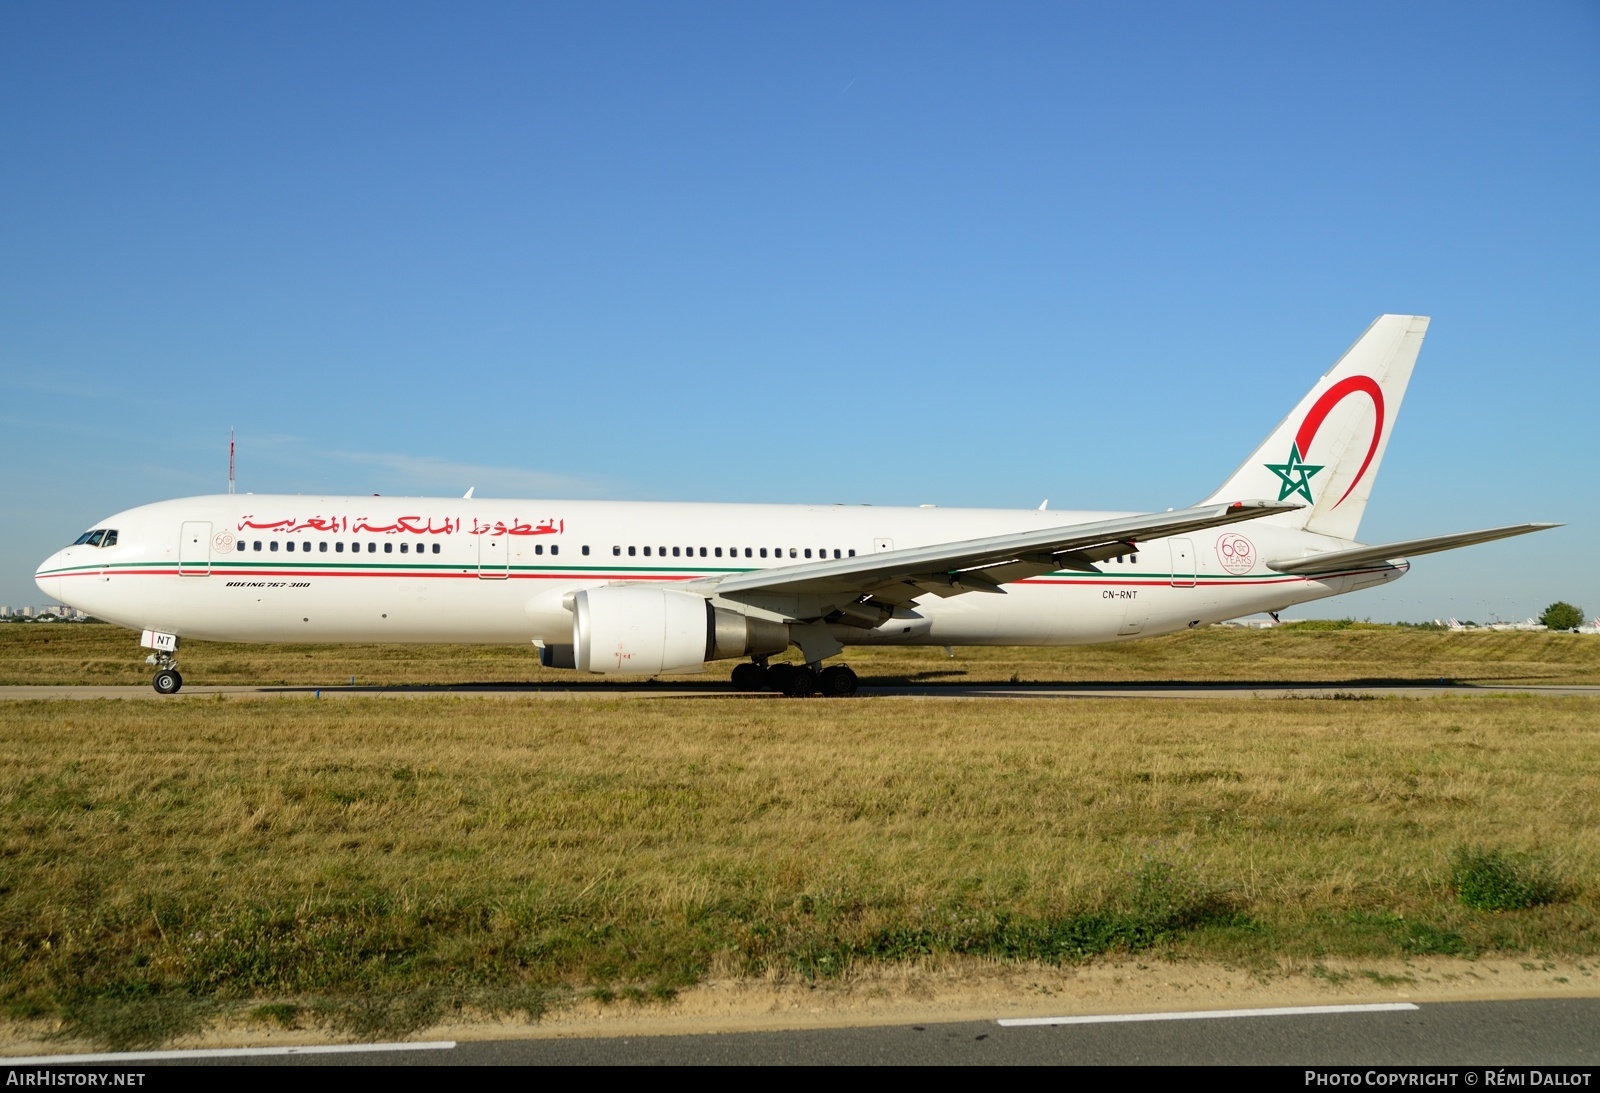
(1492, 880)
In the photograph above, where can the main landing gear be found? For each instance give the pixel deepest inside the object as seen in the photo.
(796, 680)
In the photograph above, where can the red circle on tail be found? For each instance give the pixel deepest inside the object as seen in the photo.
(1319, 411)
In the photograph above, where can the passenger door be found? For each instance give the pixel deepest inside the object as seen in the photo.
(194, 548)
(1182, 563)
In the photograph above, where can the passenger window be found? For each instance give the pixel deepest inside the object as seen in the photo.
(274, 545)
(793, 553)
(808, 552)
(675, 553)
(405, 548)
(585, 550)
(388, 548)
(1135, 559)
(747, 552)
(703, 552)
(630, 552)
(647, 552)
(616, 552)
(538, 548)
(835, 552)
(372, 548)
(662, 551)
(436, 548)
(719, 552)
(554, 549)
(338, 548)
(322, 547)
(763, 552)
(852, 554)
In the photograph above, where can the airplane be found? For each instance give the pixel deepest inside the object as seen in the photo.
(646, 588)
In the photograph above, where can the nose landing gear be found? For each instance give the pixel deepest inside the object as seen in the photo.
(166, 680)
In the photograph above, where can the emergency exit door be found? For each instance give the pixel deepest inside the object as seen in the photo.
(494, 558)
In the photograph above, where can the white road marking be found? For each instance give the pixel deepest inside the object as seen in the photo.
(118, 1057)
(1203, 1015)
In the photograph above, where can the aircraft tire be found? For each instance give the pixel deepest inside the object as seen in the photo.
(838, 682)
(167, 681)
(749, 677)
(803, 682)
(780, 678)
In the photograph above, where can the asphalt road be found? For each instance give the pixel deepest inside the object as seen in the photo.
(1526, 1033)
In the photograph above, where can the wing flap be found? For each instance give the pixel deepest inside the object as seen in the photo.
(1355, 557)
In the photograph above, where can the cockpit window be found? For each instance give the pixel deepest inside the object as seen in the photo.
(95, 537)
(99, 537)
(84, 538)
(110, 539)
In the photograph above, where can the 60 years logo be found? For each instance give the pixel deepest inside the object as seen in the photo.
(1236, 553)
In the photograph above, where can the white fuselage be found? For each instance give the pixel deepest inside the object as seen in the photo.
(380, 569)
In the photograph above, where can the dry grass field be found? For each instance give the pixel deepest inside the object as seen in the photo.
(54, 653)
(374, 863)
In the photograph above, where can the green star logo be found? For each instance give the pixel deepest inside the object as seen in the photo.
(1295, 475)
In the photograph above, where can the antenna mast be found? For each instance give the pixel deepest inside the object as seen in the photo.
(230, 459)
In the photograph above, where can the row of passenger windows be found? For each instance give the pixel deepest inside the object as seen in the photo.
(372, 548)
(555, 549)
(733, 552)
(338, 548)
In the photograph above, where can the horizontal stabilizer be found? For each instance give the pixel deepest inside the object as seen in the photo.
(1356, 557)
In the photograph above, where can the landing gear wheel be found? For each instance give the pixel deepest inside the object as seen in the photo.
(838, 682)
(780, 678)
(167, 681)
(749, 677)
(803, 682)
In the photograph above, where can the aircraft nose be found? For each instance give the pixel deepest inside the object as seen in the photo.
(48, 583)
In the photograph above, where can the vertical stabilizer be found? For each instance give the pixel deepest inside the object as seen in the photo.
(1326, 453)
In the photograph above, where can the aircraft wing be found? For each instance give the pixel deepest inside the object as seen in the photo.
(979, 565)
(1355, 557)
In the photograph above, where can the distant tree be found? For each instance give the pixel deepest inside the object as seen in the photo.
(1562, 616)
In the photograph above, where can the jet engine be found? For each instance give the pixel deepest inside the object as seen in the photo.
(643, 630)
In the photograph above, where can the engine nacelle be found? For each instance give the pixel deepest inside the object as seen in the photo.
(643, 630)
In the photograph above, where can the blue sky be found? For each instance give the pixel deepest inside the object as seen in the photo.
(889, 253)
